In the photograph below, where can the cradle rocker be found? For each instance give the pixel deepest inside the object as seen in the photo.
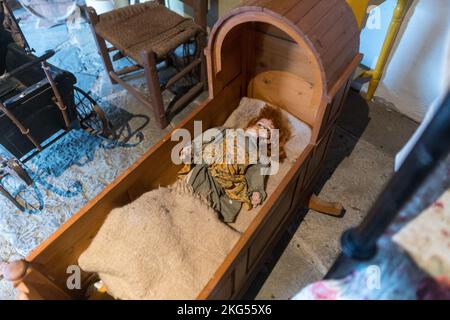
(331, 208)
(298, 55)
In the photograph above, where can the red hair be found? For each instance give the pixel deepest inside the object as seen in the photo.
(279, 121)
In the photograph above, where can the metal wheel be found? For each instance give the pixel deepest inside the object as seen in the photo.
(91, 116)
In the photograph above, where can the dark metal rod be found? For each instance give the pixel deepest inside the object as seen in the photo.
(360, 243)
(27, 65)
(10, 13)
(45, 146)
(59, 101)
(5, 193)
(4, 174)
(23, 130)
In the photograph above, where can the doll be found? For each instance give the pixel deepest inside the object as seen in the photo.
(227, 185)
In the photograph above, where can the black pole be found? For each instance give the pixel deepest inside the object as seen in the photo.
(360, 243)
(47, 55)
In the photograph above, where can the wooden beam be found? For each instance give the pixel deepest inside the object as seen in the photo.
(129, 69)
(181, 74)
(184, 100)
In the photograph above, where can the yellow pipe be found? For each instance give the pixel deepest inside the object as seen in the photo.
(394, 28)
(367, 74)
(359, 8)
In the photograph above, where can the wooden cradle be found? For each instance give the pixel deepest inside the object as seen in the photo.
(297, 54)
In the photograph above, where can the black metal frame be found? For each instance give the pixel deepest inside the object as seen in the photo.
(432, 148)
(50, 92)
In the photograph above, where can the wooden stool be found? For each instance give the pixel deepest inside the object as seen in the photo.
(148, 33)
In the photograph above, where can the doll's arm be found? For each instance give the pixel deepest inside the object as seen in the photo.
(256, 183)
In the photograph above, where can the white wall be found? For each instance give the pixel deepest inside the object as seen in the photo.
(418, 65)
(223, 5)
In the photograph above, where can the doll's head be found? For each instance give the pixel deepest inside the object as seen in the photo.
(267, 119)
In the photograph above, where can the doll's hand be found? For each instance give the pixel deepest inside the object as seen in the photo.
(256, 199)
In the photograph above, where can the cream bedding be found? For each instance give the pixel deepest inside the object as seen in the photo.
(153, 248)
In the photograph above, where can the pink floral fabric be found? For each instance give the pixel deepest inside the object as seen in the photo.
(413, 262)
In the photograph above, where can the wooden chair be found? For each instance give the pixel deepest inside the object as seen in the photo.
(148, 33)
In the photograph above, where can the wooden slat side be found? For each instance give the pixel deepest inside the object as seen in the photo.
(272, 31)
(281, 7)
(331, 21)
(288, 91)
(273, 53)
(246, 239)
(342, 60)
(315, 15)
(299, 11)
(329, 37)
(349, 43)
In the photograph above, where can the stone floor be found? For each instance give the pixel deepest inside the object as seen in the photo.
(359, 163)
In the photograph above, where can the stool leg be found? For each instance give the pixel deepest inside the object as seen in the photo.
(201, 43)
(101, 44)
(200, 8)
(151, 75)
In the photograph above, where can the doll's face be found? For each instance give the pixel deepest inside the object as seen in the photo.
(261, 129)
